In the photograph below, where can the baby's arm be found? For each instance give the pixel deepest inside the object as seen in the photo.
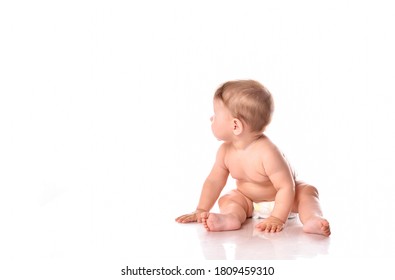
(211, 190)
(279, 173)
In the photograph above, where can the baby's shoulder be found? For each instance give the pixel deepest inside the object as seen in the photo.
(264, 143)
(265, 146)
(223, 149)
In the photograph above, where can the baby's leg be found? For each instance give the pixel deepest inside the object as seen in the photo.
(308, 206)
(235, 208)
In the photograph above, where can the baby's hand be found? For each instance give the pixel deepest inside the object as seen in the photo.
(271, 224)
(190, 218)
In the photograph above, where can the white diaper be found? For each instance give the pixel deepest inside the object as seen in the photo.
(262, 210)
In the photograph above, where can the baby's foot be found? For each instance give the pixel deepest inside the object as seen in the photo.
(317, 225)
(220, 222)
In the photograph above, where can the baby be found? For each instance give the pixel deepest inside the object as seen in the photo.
(242, 110)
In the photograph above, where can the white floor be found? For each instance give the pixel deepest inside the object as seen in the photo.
(89, 234)
(249, 244)
(350, 239)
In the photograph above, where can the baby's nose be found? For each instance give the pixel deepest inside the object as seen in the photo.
(211, 119)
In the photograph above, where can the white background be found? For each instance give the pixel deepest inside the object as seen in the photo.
(105, 106)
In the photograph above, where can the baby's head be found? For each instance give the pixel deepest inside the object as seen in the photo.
(248, 101)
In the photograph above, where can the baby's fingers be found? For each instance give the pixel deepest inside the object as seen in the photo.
(188, 218)
(276, 228)
(269, 227)
(261, 226)
(182, 219)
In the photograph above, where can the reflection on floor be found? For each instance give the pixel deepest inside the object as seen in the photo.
(248, 243)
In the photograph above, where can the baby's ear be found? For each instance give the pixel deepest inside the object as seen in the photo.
(237, 127)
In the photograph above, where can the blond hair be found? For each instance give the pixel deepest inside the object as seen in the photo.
(249, 101)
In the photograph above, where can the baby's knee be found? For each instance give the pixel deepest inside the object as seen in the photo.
(233, 197)
(306, 189)
(311, 190)
(222, 199)
(225, 199)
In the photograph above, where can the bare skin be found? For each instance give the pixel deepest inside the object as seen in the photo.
(262, 174)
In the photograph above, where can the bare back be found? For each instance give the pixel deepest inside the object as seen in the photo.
(247, 168)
